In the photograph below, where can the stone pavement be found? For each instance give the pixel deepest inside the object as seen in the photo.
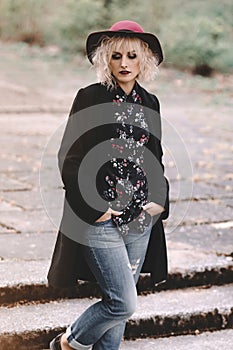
(200, 246)
(159, 314)
(205, 341)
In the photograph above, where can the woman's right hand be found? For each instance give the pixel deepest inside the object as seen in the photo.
(108, 214)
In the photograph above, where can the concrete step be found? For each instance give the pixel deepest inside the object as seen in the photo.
(25, 281)
(198, 255)
(166, 313)
(25, 259)
(206, 341)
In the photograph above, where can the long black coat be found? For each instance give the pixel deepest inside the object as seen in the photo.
(68, 263)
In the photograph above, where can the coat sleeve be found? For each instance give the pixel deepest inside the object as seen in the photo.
(156, 256)
(160, 185)
(74, 147)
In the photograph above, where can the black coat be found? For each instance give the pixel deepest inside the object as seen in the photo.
(68, 263)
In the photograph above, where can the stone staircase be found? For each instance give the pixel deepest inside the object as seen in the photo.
(192, 301)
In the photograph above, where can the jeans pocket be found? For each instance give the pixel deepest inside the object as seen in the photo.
(101, 223)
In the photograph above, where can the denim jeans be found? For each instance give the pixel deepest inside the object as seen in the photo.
(116, 261)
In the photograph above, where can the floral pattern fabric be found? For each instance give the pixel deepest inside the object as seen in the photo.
(126, 187)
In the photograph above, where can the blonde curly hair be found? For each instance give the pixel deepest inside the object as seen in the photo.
(102, 55)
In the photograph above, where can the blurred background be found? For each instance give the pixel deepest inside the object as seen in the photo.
(196, 35)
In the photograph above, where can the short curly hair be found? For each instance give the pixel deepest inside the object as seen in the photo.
(102, 55)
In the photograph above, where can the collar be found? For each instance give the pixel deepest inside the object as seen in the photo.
(134, 96)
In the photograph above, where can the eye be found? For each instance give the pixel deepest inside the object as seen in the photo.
(132, 55)
(116, 56)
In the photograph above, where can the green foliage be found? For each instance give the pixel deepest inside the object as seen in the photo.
(192, 33)
(20, 20)
(193, 41)
(149, 14)
(73, 21)
(199, 36)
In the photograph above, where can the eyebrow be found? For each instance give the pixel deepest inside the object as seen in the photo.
(133, 51)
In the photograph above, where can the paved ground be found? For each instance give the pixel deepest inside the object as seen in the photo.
(162, 314)
(206, 341)
(156, 307)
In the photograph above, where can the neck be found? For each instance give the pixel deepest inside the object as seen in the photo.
(127, 87)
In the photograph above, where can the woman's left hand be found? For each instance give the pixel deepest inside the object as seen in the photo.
(153, 208)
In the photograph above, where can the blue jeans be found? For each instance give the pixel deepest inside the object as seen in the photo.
(116, 262)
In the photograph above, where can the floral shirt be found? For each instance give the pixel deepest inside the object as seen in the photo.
(126, 186)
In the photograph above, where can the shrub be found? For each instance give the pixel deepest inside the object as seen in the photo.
(72, 22)
(21, 21)
(198, 38)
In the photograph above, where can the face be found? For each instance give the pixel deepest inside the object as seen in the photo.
(125, 67)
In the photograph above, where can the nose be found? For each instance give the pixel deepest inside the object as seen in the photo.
(124, 62)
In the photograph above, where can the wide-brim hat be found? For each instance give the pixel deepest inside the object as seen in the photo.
(124, 29)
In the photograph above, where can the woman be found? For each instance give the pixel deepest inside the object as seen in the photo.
(121, 234)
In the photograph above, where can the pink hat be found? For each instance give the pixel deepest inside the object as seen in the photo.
(123, 29)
